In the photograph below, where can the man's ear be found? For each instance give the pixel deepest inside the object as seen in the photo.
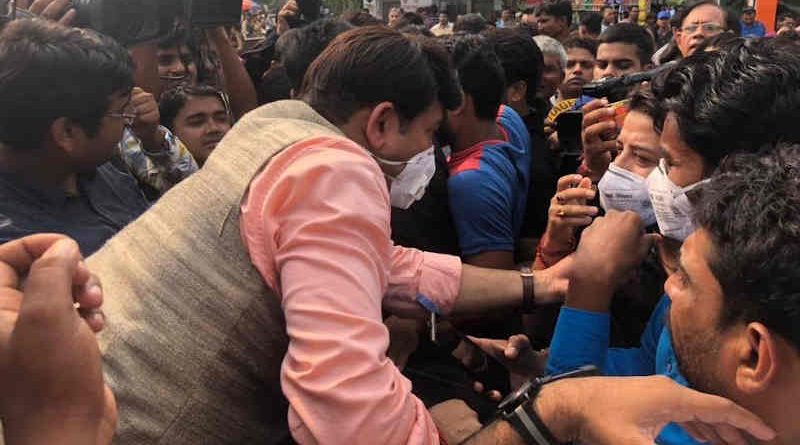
(66, 134)
(757, 358)
(517, 91)
(466, 105)
(382, 123)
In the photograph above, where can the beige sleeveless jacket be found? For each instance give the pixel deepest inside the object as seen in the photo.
(194, 339)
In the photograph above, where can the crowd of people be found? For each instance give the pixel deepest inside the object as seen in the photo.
(402, 233)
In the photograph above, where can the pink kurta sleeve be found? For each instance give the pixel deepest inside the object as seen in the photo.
(316, 224)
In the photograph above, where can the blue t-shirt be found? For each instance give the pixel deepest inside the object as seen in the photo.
(757, 29)
(488, 188)
(582, 338)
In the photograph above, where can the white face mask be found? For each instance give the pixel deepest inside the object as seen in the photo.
(622, 190)
(409, 186)
(672, 207)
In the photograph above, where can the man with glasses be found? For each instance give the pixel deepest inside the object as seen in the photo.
(67, 98)
(701, 21)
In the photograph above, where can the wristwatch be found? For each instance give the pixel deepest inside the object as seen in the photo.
(517, 407)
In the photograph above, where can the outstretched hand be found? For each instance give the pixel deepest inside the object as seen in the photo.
(633, 410)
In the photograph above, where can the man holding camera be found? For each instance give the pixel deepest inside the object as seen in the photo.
(624, 49)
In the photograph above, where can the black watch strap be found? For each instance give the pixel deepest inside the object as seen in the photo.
(528, 425)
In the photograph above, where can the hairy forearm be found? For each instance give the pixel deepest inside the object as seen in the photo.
(486, 289)
(557, 407)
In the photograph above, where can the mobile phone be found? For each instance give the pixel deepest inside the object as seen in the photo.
(568, 126)
(493, 375)
(621, 109)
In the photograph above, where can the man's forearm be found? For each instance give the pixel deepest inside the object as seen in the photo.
(486, 289)
(555, 405)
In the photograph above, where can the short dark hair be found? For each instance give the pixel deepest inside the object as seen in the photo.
(49, 71)
(750, 211)
(416, 30)
(360, 18)
(480, 73)
(174, 99)
(644, 101)
(593, 22)
(631, 34)
(731, 21)
(365, 66)
(715, 117)
(520, 57)
(298, 47)
(409, 18)
(175, 38)
(557, 8)
(582, 43)
(470, 23)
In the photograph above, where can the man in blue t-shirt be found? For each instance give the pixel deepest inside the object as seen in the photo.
(490, 161)
(751, 27)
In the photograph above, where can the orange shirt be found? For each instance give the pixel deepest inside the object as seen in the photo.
(316, 224)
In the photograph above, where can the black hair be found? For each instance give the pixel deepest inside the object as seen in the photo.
(360, 18)
(471, 24)
(749, 209)
(480, 73)
(355, 69)
(582, 43)
(558, 9)
(738, 98)
(593, 22)
(409, 18)
(175, 38)
(643, 100)
(49, 71)
(174, 99)
(718, 41)
(416, 30)
(520, 57)
(298, 47)
(631, 34)
(731, 21)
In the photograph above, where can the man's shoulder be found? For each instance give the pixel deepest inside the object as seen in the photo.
(487, 163)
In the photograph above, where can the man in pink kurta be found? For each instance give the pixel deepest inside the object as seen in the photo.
(323, 243)
(316, 223)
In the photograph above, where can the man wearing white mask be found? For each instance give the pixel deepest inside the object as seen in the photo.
(700, 129)
(246, 306)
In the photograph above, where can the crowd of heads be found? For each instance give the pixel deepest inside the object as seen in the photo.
(715, 128)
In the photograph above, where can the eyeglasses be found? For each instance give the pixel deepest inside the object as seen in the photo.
(706, 27)
(128, 117)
